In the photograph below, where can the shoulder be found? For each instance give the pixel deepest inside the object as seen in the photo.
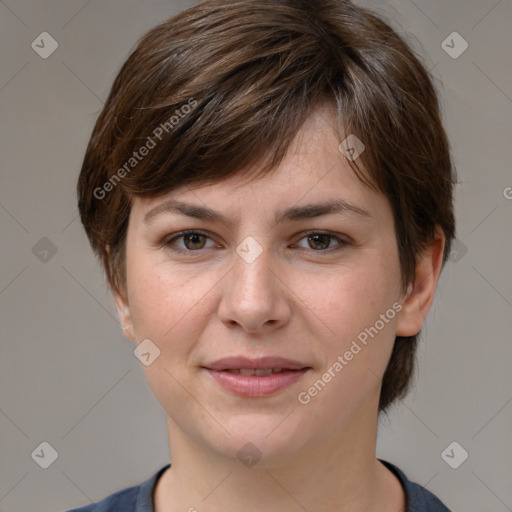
(123, 500)
(418, 499)
(138, 498)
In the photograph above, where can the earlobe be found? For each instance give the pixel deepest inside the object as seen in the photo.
(420, 295)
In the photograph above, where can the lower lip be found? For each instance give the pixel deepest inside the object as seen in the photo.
(256, 385)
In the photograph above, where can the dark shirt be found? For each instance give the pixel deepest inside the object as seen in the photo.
(139, 498)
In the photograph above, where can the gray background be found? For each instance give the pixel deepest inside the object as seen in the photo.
(68, 377)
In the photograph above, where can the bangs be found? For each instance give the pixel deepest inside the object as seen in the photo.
(208, 115)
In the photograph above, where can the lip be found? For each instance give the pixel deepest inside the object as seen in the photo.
(233, 363)
(254, 386)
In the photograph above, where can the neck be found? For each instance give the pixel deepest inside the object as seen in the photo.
(338, 472)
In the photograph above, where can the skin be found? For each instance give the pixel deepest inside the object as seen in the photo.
(302, 299)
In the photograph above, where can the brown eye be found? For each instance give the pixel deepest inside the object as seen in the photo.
(195, 241)
(192, 241)
(321, 241)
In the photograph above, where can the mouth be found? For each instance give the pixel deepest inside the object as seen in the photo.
(257, 377)
(256, 371)
(268, 364)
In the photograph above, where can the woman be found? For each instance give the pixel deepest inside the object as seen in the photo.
(269, 188)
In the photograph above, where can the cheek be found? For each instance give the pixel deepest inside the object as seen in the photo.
(166, 307)
(162, 300)
(360, 306)
(354, 298)
(356, 358)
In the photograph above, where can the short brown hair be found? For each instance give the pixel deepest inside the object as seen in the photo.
(225, 85)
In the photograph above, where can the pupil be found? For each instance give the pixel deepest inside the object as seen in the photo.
(315, 238)
(194, 237)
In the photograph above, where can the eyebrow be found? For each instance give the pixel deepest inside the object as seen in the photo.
(294, 213)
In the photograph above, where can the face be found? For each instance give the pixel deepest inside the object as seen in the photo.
(321, 290)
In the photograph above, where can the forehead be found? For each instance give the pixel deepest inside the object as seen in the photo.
(314, 170)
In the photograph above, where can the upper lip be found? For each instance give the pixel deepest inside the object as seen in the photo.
(234, 363)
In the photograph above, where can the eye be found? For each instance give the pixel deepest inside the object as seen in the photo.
(320, 241)
(194, 241)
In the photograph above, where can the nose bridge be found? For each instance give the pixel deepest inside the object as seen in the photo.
(252, 295)
(252, 273)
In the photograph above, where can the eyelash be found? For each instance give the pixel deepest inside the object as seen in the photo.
(169, 241)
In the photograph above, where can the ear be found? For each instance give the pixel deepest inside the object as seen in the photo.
(420, 294)
(122, 306)
(124, 314)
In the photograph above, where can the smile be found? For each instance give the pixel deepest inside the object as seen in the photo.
(256, 383)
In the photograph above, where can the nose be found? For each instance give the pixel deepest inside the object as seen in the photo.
(255, 296)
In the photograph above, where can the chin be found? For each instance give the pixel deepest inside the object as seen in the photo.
(260, 444)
